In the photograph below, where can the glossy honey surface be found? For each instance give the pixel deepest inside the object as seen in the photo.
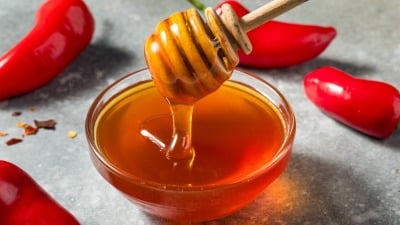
(234, 134)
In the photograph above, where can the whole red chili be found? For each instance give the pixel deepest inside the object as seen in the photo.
(279, 44)
(369, 106)
(23, 201)
(62, 30)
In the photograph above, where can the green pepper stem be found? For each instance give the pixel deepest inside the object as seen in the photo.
(198, 4)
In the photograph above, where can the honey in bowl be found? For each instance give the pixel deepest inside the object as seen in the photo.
(242, 136)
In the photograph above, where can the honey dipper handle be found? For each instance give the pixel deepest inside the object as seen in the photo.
(237, 28)
(267, 12)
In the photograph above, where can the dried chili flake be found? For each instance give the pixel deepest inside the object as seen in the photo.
(16, 114)
(3, 134)
(45, 124)
(29, 130)
(13, 141)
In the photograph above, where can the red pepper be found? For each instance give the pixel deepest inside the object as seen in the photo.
(369, 106)
(62, 30)
(23, 201)
(279, 44)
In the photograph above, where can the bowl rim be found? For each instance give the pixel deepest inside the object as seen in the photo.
(284, 149)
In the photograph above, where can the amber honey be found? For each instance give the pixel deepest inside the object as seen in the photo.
(235, 132)
(242, 136)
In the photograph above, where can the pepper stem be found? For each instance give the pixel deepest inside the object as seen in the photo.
(198, 4)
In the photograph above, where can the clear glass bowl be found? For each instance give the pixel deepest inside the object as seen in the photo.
(193, 203)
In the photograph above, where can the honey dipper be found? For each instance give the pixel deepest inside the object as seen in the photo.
(189, 58)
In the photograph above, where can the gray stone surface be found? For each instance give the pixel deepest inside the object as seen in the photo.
(336, 175)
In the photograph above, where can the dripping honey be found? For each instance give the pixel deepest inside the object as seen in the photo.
(235, 132)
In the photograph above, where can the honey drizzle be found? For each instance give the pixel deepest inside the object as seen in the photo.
(180, 148)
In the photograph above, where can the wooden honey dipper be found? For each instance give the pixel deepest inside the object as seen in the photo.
(189, 58)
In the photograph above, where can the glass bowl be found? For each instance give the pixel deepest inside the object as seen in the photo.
(179, 200)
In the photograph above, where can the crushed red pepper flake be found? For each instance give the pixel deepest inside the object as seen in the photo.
(30, 130)
(16, 113)
(13, 141)
(46, 124)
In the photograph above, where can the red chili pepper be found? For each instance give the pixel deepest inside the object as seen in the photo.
(23, 201)
(369, 106)
(279, 44)
(62, 30)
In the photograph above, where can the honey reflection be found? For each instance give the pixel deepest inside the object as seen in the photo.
(280, 200)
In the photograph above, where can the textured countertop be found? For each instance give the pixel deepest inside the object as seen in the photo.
(336, 175)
